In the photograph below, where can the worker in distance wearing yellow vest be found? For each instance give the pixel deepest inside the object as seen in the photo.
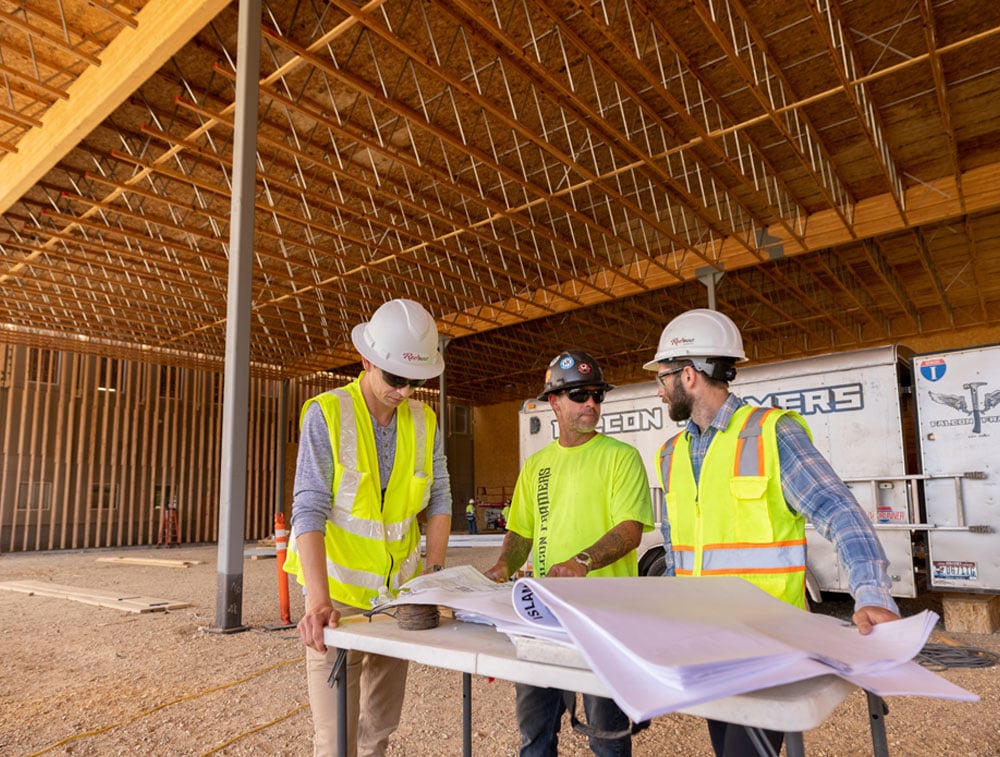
(739, 483)
(370, 459)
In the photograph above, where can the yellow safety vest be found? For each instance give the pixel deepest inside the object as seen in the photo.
(372, 546)
(735, 521)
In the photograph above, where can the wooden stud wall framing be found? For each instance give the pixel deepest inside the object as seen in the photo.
(90, 452)
(90, 455)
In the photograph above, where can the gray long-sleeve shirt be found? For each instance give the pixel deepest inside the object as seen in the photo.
(314, 471)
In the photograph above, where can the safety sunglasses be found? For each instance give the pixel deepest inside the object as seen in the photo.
(398, 382)
(661, 378)
(582, 395)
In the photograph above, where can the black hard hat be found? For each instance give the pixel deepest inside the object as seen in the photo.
(572, 368)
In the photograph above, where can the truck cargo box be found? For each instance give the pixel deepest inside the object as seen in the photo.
(958, 415)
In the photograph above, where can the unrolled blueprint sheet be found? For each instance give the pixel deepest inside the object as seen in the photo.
(662, 644)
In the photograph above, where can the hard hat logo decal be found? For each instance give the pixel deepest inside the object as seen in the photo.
(414, 357)
(566, 363)
(584, 368)
(679, 340)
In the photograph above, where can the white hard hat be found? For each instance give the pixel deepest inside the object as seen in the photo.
(401, 338)
(698, 333)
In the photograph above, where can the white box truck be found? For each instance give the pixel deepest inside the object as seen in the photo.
(912, 435)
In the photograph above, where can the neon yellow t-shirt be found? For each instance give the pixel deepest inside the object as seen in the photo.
(566, 498)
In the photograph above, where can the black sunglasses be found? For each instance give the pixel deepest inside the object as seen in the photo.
(582, 395)
(398, 382)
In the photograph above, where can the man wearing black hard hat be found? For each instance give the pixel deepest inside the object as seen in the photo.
(583, 502)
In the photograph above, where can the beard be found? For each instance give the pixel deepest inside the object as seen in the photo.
(679, 404)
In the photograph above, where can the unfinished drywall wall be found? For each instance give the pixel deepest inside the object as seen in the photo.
(495, 440)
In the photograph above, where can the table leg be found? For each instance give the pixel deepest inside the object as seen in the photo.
(338, 677)
(760, 743)
(466, 715)
(877, 711)
(794, 746)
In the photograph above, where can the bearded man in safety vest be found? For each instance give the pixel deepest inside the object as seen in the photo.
(739, 483)
(370, 459)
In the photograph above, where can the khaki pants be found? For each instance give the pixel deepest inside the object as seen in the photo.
(376, 681)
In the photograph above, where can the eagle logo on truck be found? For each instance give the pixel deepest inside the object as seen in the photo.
(972, 407)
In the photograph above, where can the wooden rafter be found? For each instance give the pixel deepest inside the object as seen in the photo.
(538, 175)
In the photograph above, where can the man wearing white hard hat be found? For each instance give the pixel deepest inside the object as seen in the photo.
(370, 460)
(740, 482)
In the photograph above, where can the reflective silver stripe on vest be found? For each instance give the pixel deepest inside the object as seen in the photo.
(370, 529)
(347, 455)
(396, 531)
(408, 568)
(374, 581)
(684, 560)
(666, 455)
(420, 423)
(353, 576)
(747, 559)
(744, 559)
(750, 453)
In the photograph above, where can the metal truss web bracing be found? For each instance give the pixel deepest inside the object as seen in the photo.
(539, 175)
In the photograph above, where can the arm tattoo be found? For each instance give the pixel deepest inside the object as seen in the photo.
(611, 547)
(616, 543)
(515, 551)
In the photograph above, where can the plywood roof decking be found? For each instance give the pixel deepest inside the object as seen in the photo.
(538, 174)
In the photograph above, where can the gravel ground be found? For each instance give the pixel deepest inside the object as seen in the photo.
(77, 679)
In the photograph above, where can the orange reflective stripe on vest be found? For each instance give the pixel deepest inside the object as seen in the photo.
(734, 521)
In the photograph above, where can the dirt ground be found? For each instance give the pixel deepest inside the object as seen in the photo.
(77, 679)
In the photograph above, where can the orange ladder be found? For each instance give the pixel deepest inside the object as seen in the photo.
(168, 528)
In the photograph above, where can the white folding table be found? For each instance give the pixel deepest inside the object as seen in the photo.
(476, 649)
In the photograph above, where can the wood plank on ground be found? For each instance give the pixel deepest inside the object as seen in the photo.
(259, 553)
(151, 561)
(127, 602)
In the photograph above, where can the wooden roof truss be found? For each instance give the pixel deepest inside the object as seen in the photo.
(539, 174)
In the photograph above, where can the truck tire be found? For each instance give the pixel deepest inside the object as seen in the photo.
(653, 562)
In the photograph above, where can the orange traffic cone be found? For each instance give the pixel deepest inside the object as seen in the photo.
(280, 550)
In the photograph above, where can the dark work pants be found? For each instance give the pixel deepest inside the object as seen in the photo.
(539, 715)
(731, 740)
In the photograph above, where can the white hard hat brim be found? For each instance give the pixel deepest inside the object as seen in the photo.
(658, 362)
(393, 364)
(652, 365)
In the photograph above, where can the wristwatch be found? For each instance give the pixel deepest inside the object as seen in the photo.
(585, 560)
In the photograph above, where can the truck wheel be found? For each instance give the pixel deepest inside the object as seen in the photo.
(653, 562)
